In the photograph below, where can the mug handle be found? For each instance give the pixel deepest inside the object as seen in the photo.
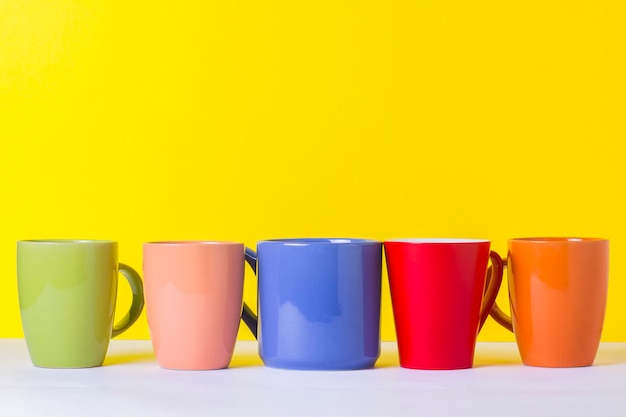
(500, 316)
(492, 287)
(247, 315)
(136, 286)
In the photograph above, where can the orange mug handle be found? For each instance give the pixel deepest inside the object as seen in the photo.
(492, 287)
(496, 312)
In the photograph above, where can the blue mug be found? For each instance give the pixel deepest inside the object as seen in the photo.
(318, 303)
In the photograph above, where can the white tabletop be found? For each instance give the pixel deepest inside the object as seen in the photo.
(131, 384)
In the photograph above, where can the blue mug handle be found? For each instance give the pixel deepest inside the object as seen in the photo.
(247, 315)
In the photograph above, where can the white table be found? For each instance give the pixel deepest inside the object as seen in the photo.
(131, 384)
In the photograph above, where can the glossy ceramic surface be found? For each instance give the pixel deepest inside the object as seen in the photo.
(319, 303)
(194, 293)
(557, 291)
(67, 292)
(439, 298)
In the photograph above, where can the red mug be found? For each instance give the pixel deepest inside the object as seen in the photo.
(441, 297)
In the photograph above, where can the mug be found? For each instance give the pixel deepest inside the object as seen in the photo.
(440, 298)
(318, 303)
(194, 292)
(67, 293)
(557, 293)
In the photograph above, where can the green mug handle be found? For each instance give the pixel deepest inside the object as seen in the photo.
(136, 286)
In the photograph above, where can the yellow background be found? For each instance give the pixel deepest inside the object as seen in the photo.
(244, 120)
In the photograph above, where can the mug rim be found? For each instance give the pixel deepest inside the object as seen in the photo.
(318, 241)
(558, 239)
(183, 243)
(67, 241)
(436, 240)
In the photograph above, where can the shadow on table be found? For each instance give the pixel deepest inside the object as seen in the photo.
(388, 359)
(251, 359)
(247, 359)
(495, 357)
(492, 357)
(611, 354)
(122, 358)
(608, 354)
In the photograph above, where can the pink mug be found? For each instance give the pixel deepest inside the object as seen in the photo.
(194, 292)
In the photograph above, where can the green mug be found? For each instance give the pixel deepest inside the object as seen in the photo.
(67, 292)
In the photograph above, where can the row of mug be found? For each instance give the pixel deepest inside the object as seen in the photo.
(318, 300)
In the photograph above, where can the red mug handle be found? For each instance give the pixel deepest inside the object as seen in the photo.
(492, 287)
(496, 312)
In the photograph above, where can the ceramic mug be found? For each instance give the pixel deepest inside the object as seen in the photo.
(440, 298)
(318, 303)
(557, 291)
(67, 294)
(194, 292)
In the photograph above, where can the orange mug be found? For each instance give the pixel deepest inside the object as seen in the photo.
(557, 293)
(194, 294)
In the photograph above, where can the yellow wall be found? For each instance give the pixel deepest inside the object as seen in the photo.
(142, 120)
